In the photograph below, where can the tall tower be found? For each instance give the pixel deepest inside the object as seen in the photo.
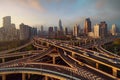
(50, 32)
(41, 28)
(76, 30)
(114, 30)
(7, 21)
(96, 31)
(103, 26)
(60, 26)
(66, 31)
(87, 26)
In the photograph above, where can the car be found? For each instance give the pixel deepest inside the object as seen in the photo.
(114, 61)
(96, 53)
(65, 53)
(85, 53)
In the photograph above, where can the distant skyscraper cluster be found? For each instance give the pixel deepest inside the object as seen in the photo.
(9, 32)
(97, 31)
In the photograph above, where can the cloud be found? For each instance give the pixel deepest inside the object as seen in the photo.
(100, 4)
(34, 4)
(60, 1)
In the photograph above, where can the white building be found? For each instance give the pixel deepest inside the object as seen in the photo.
(91, 34)
(76, 30)
(114, 30)
(96, 31)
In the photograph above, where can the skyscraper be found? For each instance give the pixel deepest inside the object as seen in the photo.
(114, 30)
(27, 32)
(60, 26)
(96, 31)
(41, 31)
(87, 26)
(55, 29)
(41, 28)
(50, 32)
(7, 21)
(103, 27)
(76, 30)
(66, 31)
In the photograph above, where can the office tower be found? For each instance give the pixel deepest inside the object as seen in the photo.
(50, 32)
(87, 26)
(7, 21)
(27, 32)
(96, 31)
(55, 31)
(103, 27)
(42, 28)
(114, 30)
(8, 32)
(41, 31)
(76, 30)
(66, 31)
(60, 26)
(33, 32)
(55, 28)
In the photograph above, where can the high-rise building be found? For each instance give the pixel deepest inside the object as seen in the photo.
(41, 34)
(96, 31)
(66, 31)
(87, 26)
(50, 32)
(7, 21)
(55, 28)
(41, 28)
(76, 30)
(27, 32)
(8, 32)
(114, 30)
(60, 26)
(55, 31)
(103, 27)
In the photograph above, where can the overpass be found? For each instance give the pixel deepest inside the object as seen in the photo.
(78, 70)
(15, 49)
(102, 50)
(95, 58)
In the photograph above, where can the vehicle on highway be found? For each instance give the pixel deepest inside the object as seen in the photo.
(114, 61)
(96, 53)
(85, 53)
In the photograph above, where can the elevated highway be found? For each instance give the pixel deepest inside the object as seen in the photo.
(90, 55)
(57, 71)
(78, 70)
(102, 50)
(15, 49)
(26, 59)
(84, 69)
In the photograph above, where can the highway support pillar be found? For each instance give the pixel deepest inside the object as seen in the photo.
(3, 77)
(47, 44)
(23, 76)
(63, 79)
(46, 78)
(23, 56)
(28, 76)
(53, 59)
(3, 60)
(97, 65)
(114, 72)
(73, 54)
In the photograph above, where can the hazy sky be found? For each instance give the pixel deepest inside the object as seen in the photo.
(48, 12)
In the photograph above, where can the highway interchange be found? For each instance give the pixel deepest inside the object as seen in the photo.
(77, 70)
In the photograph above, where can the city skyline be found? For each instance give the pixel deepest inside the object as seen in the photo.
(48, 12)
